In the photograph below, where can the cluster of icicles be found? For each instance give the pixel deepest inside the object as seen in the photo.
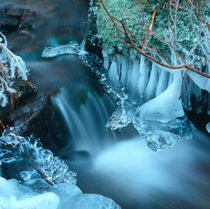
(146, 95)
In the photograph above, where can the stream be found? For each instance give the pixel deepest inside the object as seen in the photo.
(116, 164)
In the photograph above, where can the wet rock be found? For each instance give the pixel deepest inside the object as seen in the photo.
(25, 92)
(196, 103)
(93, 43)
(13, 20)
(9, 23)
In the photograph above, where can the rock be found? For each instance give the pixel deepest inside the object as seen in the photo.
(9, 23)
(14, 19)
(196, 103)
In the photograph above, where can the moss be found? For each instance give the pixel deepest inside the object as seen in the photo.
(130, 8)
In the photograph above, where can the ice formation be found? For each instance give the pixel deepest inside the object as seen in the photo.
(44, 181)
(39, 167)
(208, 127)
(11, 68)
(71, 48)
(152, 92)
(61, 196)
(147, 94)
(16, 196)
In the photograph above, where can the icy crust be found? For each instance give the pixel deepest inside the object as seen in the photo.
(39, 169)
(60, 196)
(44, 181)
(16, 196)
(11, 68)
(146, 95)
(71, 48)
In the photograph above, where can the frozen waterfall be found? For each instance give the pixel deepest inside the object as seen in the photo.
(147, 95)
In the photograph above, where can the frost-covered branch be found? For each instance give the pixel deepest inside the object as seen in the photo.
(153, 42)
(11, 68)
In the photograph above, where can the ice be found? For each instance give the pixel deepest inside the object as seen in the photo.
(71, 48)
(113, 74)
(15, 196)
(124, 71)
(91, 201)
(25, 160)
(162, 82)
(132, 81)
(145, 92)
(119, 119)
(143, 76)
(106, 60)
(11, 68)
(152, 84)
(200, 81)
(166, 106)
(208, 127)
(163, 135)
(44, 181)
(61, 196)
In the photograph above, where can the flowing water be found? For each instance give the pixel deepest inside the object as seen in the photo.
(107, 162)
(128, 171)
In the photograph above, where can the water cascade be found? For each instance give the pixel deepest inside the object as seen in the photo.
(86, 121)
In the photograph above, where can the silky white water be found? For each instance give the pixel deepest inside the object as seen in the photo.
(137, 177)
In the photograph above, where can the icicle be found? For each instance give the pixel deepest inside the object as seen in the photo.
(166, 106)
(162, 82)
(124, 71)
(113, 74)
(143, 76)
(133, 79)
(200, 81)
(106, 60)
(152, 84)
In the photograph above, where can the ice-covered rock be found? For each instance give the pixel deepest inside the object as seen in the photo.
(11, 68)
(45, 181)
(71, 48)
(60, 196)
(25, 159)
(91, 201)
(15, 196)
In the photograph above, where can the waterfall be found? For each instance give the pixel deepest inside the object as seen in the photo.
(86, 121)
(147, 95)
